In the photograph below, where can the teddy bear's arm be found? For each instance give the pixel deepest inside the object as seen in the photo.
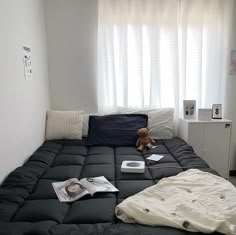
(152, 140)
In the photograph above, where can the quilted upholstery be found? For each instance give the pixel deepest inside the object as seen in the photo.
(28, 204)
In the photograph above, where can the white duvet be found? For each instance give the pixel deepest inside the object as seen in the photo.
(192, 200)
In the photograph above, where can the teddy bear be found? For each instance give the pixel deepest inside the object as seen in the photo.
(144, 141)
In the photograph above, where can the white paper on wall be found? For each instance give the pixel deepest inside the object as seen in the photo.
(27, 62)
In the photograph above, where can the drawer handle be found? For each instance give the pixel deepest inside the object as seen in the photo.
(227, 125)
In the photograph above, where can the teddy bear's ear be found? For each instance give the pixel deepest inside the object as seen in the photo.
(147, 128)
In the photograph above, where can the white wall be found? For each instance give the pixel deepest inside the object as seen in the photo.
(71, 29)
(230, 101)
(23, 103)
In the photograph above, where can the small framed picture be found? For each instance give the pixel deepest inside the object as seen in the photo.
(217, 111)
(189, 107)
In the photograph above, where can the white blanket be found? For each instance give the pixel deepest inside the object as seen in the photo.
(192, 200)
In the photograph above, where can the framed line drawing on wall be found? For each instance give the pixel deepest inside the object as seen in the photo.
(189, 108)
(27, 62)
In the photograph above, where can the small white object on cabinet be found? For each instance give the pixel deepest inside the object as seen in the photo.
(204, 114)
(210, 140)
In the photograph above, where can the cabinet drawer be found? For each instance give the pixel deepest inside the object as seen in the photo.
(210, 140)
(217, 146)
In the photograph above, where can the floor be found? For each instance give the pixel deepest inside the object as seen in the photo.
(232, 179)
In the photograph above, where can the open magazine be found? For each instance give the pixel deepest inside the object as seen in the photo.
(73, 189)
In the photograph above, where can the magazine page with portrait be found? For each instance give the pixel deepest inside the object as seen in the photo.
(74, 189)
(98, 184)
(69, 190)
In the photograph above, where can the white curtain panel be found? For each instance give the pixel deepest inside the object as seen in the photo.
(155, 53)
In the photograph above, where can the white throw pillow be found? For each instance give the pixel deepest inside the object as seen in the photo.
(160, 121)
(64, 125)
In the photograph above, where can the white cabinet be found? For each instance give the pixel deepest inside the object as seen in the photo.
(210, 140)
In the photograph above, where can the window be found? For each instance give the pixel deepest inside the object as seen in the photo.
(155, 53)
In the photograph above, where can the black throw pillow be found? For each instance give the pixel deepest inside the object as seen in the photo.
(116, 129)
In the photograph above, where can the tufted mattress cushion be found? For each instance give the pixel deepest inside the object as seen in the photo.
(28, 204)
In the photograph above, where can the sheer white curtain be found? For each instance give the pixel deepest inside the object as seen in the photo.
(155, 53)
